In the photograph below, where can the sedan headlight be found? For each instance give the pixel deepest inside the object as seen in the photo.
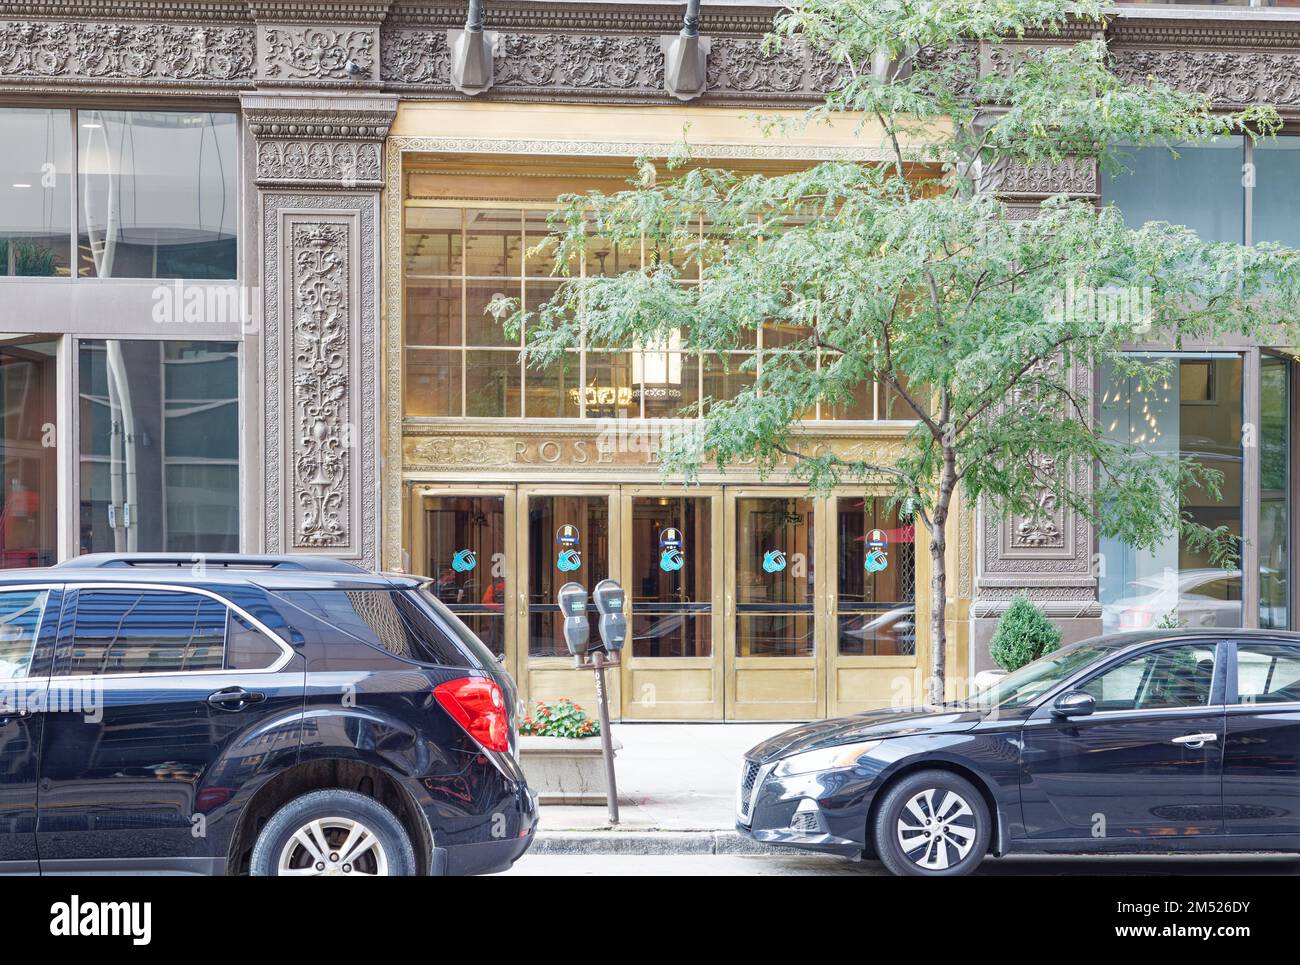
(823, 759)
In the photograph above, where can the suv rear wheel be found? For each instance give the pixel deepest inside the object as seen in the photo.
(333, 832)
(932, 823)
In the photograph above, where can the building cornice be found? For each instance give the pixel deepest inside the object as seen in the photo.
(599, 52)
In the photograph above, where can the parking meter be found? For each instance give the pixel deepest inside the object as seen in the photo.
(572, 598)
(608, 597)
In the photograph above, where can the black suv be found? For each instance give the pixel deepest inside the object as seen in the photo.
(250, 715)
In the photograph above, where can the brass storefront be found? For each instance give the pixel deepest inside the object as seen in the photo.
(747, 602)
(749, 598)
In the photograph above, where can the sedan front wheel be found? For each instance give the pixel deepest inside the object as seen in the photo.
(932, 823)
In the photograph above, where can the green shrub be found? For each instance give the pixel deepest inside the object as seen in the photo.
(1024, 634)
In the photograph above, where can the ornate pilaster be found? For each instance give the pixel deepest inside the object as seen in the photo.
(316, 177)
(1047, 554)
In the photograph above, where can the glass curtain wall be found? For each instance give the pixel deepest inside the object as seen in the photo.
(1195, 412)
(29, 484)
(159, 446)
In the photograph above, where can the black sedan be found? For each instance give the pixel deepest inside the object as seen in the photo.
(1170, 741)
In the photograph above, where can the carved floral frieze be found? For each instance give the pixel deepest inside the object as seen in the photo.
(125, 51)
(349, 163)
(565, 64)
(1227, 77)
(305, 53)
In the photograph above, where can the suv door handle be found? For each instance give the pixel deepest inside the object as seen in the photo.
(235, 698)
(1195, 741)
(18, 714)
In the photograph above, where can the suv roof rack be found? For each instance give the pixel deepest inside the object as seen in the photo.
(227, 561)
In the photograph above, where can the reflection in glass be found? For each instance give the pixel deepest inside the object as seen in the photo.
(493, 387)
(609, 386)
(725, 376)
(433, 311)
(1275, 204)
(876, 600)
(494, 242)
(1274, 484)
(431, 383)
(774, 577)
(35, 191)
(553, 392)
(433, 241)
(671, 585)
(482, 328)
(29, 485)
(1195, 411)
(159, 194)
(1200, 188)
(465, 539)
(553, 562)
(159, 446)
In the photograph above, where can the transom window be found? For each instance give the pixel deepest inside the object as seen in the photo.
(459, 361)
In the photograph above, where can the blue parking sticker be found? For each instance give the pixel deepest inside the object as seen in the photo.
(671, 548)
(877, 558)
(569, 558)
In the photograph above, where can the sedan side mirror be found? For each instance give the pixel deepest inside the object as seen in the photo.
(1076, 703)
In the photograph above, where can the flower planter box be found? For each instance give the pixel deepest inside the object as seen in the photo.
(987, 678)
(565, 770)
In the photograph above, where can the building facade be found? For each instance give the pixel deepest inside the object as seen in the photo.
(245, 249)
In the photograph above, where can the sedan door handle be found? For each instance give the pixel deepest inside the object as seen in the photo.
(235, 698)
(1195, 741)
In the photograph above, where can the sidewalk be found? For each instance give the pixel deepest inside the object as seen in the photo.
(676, 791)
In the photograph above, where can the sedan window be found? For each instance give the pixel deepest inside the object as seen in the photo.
(1167, 678)
(1033, 679)
(1268, 673)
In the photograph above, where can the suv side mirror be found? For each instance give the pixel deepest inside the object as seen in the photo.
(1075, 703)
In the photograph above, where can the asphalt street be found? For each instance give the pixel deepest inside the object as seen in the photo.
(697, 865)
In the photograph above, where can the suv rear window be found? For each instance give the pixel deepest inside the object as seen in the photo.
(392, 620)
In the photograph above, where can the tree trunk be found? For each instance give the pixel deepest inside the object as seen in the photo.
(935, 685)
(938, 614)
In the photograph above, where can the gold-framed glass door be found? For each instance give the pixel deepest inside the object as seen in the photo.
(672, 545)
(775, 667)
(460, 541)
(563, 535)
(876, 633)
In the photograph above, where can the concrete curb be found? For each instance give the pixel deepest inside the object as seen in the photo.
(649, 842)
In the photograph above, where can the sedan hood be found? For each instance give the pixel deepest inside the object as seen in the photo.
(871, 725)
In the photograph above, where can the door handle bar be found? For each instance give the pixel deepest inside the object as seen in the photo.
(1195, 741)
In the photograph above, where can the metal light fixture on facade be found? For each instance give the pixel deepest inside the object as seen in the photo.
(686, 57)
(471, 52)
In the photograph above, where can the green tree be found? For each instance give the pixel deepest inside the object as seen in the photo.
(909, 273)
(1023, 635)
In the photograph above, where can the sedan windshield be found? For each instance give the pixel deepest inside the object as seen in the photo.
(1033, 679)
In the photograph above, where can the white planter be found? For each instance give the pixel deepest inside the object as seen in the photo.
(987, 678)
(564, 770)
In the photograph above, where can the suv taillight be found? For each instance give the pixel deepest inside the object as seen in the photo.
(479, 706)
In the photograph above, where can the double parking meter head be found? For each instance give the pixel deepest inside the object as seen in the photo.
(608, 597)
(572, 598)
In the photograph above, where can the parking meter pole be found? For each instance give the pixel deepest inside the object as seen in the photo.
(606, 738)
